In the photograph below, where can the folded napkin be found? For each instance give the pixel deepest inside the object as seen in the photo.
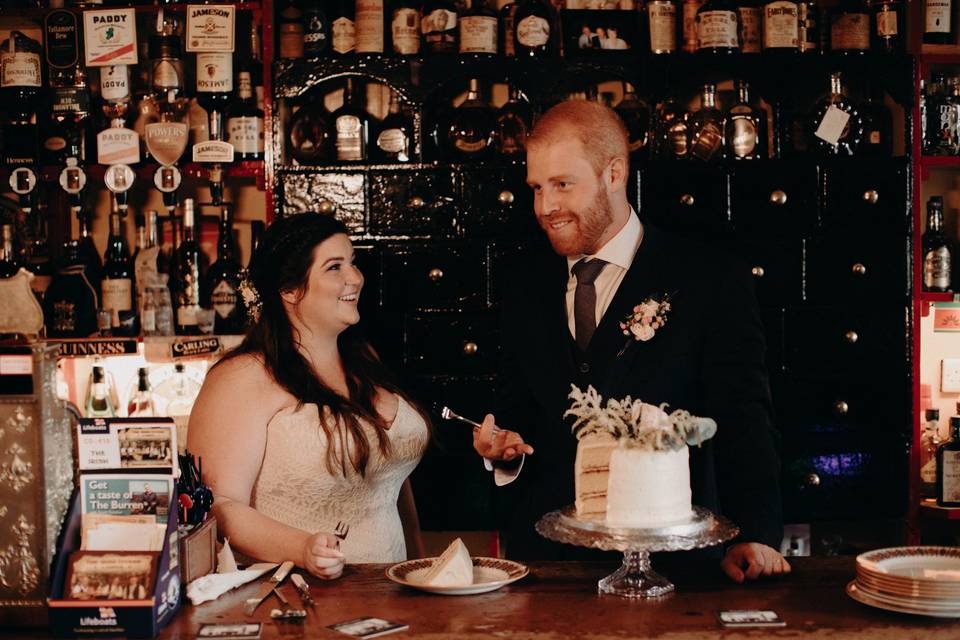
(214, 585)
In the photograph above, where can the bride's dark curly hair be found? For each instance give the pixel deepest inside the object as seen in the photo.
(282, 264)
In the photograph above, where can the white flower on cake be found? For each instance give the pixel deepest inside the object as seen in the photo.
(632, 463)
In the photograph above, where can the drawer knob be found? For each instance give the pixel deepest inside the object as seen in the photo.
(687, 200)
(811, 480)
(778, 197)
(757, 272)
(416, 202)
(859, 269)
(851, 336)
(841, 407)
(326, 207)
(506, 197)
(435, 274)
(470, 348)
(870, 196)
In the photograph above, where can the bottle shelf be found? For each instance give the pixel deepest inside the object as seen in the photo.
(154, 348)
(929, 509)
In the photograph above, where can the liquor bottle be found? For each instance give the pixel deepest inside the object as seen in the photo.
(8, 257)
(316, 31)
(215, 88)
(89, 255)
(635, 113)
(62, 46)
(222, 284)
(20, 75)
(99, 404)
(932, 98)
(291, 42)
(478, 29)
(718, 27)
(745, 129)
(781, 26)
(308, 138)
(948, 467)
(937, 252)
(706, 127)
(808, 36)
(878, 125)
(850, 27)
(245, 122)
(514, 120)
(140, 404)
(662, 19)
(166, 75)
(351, 124)
(508, 12)
(672, 139)
(689, 12)
(939, 22)
(405, 28)
(750, 16)
(187, 269)
(438, 23)
(836, 126)
(255, 65)
(117, 285)
(369, 22)
(889, 26)
(533, 35)
(394, 141)
(36, 256)
(929, 443)
(470, 132)
(343, 29)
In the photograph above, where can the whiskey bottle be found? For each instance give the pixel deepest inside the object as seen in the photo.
(533, 35)
(837, 125)
(889, 26)
(718, 27)
(140, 404)
(514, 120)
(291, 42)
(471, 131)
(662, 18)
(99, 404)
(635, 113)
(937, 252)
(89, 255)
(166, 75)
(245, 122)
(215, 88)
(672, 140)
(8, 257)
(405, 28)
(850, 27)
(187, 274)
(439, 26)
(939, 22)
(308, 138)
(351, 124)
(223, 283)
(808, 37)
(20, 74)
(255, 65)
(929, 443)
(745, 128)
(750, 17)
(781, 26)
(394, 141)
(507, 10)
(706, 127)
(369, 23)
(117, 285)
(316, 31)
(878, 124)
(948, 467)
(478, 29)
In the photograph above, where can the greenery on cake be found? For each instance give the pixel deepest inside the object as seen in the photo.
(636, 424)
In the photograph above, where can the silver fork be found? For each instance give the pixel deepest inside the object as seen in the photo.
(341, 530)
(449, 414)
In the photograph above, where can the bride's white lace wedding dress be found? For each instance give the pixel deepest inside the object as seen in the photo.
(295, 487)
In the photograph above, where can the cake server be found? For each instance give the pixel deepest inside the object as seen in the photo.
(267, 587)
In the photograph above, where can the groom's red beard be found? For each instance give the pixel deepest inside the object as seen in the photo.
(585, 228)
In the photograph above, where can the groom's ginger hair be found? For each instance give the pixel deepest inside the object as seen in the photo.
(599, 129)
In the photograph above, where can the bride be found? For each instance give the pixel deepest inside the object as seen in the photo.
(301, 427)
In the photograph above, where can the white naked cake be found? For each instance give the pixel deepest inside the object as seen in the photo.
(633, 460)
(453, 568)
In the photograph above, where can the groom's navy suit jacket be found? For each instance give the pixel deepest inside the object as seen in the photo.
(707, 359)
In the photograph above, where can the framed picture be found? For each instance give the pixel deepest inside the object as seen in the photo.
(111, 575)
(587, 33)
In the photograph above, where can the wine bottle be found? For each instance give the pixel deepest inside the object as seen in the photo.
(478, 29)
(507, 10)
(291, 42)
(89, 255)
(351, 124)
(745, 128)
(672, 140)
(215, 88)
(20, 75)
(316, 37)
(405, 28)
(706, 127)
(439, 26)
(187, 269)
(395, 134)
(937, 252)
(221, 292)
(808, 37)
(117, 285)
(534, 36)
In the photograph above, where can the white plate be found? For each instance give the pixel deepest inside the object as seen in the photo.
(932, 565)
(489, 574)
(908, 601)
(864, 598)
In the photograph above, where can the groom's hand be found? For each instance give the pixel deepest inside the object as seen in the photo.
(750, 560)
(496, 444)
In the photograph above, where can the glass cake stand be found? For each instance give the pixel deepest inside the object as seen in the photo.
(635, 578)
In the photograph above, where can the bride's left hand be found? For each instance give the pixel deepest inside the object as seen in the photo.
(750, 560)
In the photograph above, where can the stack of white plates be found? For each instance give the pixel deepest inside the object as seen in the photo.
(920, 580)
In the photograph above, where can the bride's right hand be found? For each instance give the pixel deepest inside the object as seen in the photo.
(321, 557)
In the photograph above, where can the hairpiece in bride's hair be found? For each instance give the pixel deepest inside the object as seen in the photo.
(251, 297)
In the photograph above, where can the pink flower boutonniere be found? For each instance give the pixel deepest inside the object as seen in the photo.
(645, 319)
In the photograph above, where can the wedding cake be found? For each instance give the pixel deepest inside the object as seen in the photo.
(632, 467)
(454, 568)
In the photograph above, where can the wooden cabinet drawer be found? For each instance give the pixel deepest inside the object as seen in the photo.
(773, 200)
(452, 344)
(866, 196)
(412, 202)
(776, 268)
(434, 277)
(339, 194)
(685, 198)
(497, 202)
(842, 268)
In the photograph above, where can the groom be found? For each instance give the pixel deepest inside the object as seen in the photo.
(561, 326)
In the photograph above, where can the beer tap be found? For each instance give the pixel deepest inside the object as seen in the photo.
(119, 178)
(73, 179)
(23, 181)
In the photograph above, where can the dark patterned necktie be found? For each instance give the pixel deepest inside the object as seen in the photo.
(585, 299)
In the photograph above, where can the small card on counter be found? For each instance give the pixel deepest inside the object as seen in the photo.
(750, 618)
(127, 443)
(368, 627)
(238, 631)
(126, 495)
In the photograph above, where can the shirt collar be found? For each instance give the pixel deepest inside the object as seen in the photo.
(620, 249)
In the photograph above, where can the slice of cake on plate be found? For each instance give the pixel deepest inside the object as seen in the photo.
(454, 568)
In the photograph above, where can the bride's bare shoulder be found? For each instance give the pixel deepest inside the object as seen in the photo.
(242, 373)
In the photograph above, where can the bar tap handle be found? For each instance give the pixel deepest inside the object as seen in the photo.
(119, 178)
(73, 179)
(23, 181)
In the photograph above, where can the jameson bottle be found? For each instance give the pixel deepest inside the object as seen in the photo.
(745, 128)
(948, 467)
(718, 27)
(471, 131)
(937, 252)
(837, 125)
(533, 36)
(117, 284)
(929, 443)
(223, 283)
(405, 28)
(351, 125)
(439, 26)
(514, 120)
(395, 134)
(706, 127)
(663, 21)
(635, 113)
(187, 274)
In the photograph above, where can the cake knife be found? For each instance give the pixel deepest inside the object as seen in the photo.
(267, 587)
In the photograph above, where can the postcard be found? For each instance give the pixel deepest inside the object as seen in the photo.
(127, 495)
(110, 575)
(368, 627)
(236, 631)
(127, 443)
(750, 618)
